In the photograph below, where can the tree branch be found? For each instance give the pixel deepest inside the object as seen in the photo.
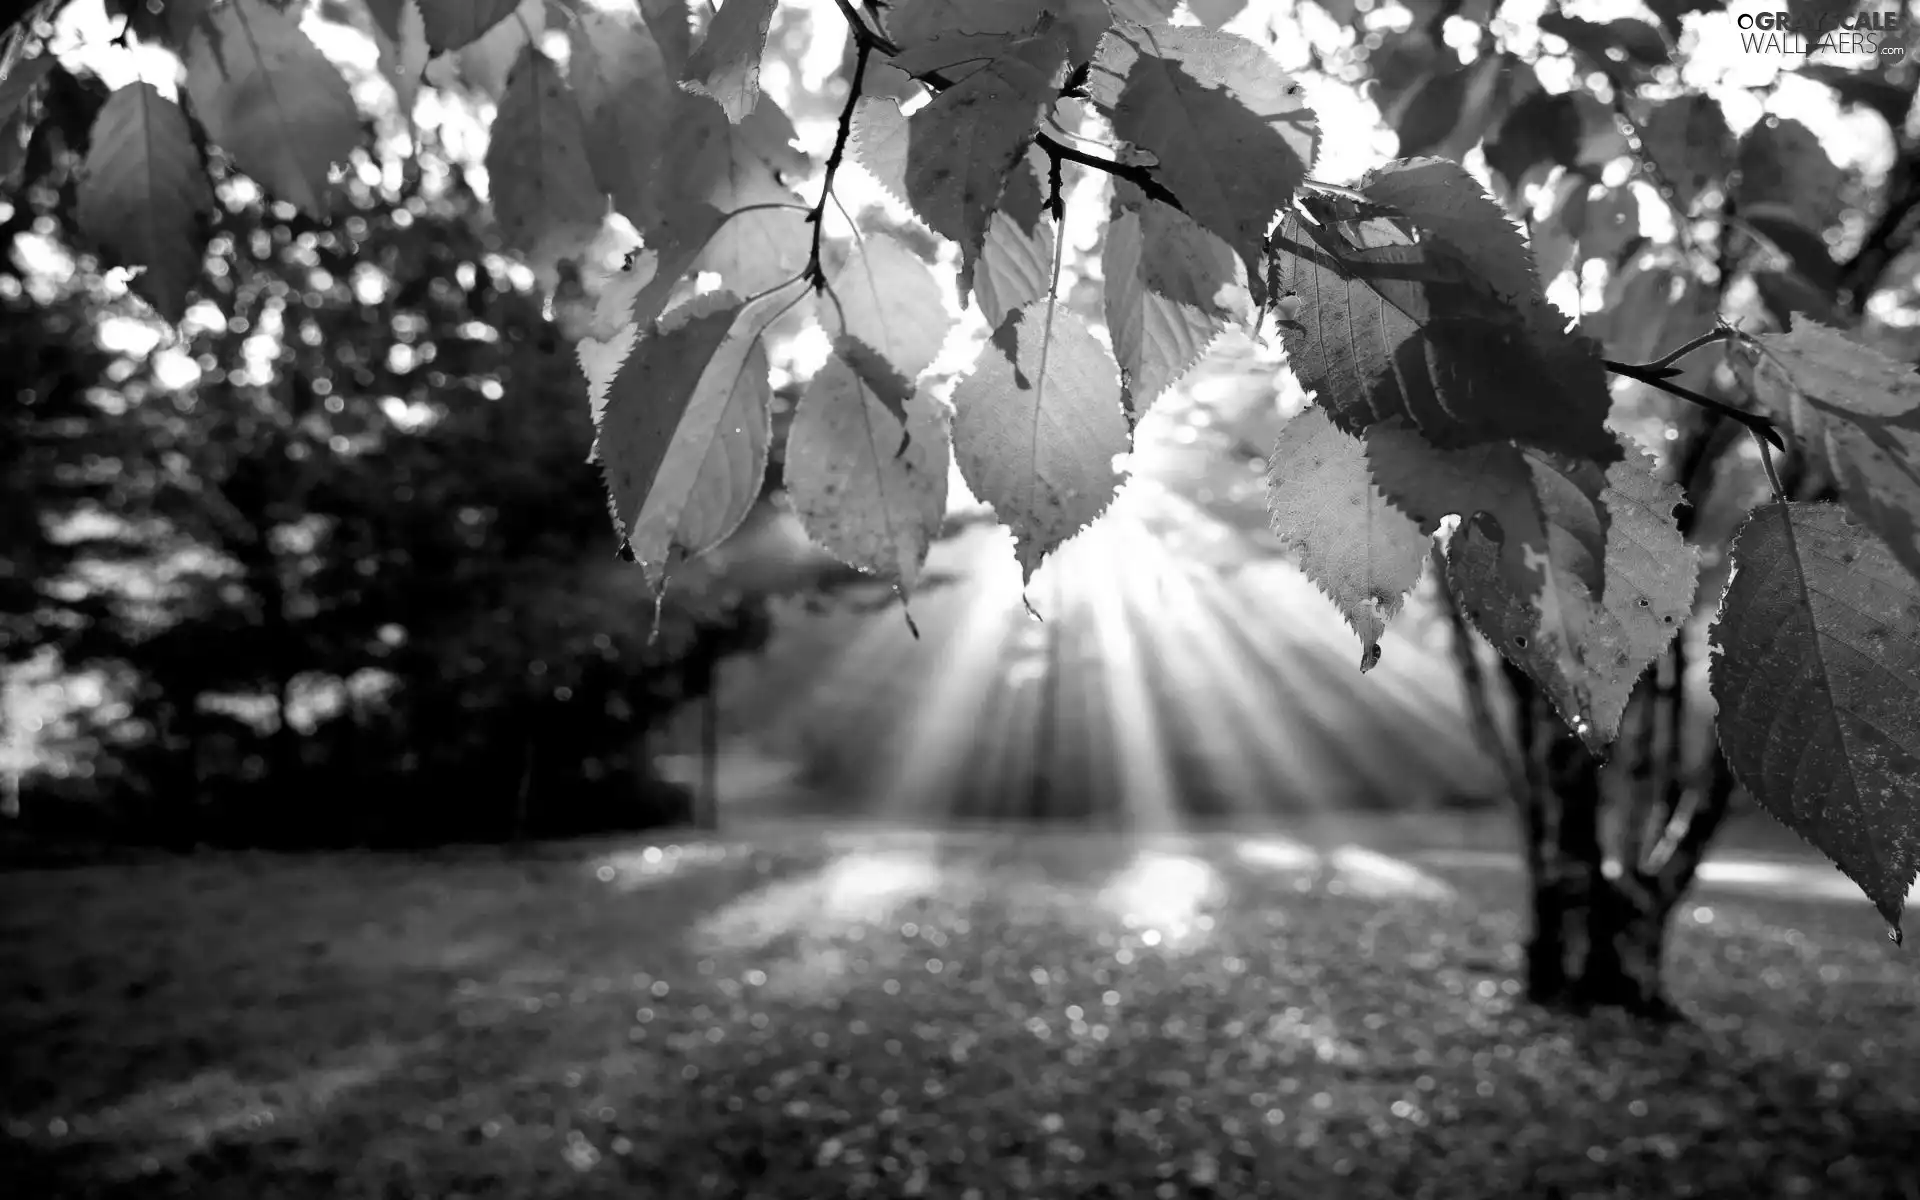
(1138, 176)
(863, 47)
(1656, 377)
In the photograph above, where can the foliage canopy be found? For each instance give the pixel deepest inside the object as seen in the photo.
(1451, 397)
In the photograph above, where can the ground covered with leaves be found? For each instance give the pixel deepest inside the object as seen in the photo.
(843, 1013)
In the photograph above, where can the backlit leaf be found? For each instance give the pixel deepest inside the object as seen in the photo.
(1785, 170)
(486, 63)
(868, 488)
(619, 79)
(960, 148)
(543, 186)
(686, 429)
(1866, 408)
(885, 296)
(404, 52)
(1365, 554)
(1036, 427)
(141, 194)
(957, 37)
(1016, 260)
(267, 96)
(1231, 131)
(1585, 649)
(721, 167)
(1816, 671)
(1171, 287)
(20, 80)
(726, 67)
(1433, 313)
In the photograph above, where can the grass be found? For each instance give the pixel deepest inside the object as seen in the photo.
(826, 1013)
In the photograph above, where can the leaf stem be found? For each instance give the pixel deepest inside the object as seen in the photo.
(1656, 377)
(1138, 176)
(865, 36)
(1719, 333)
(1334, 189)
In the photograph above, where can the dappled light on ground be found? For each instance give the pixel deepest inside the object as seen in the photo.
(874, 1013)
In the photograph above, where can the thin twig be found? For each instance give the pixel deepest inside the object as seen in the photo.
(1719, 333)
(1657, 378)
(864, 34)
(863, 50)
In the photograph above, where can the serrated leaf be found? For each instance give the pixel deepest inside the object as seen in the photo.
(403, 52)
(543, 187)
(141, 193)
(1171, 287)
(1689, 141)
(868, 487)
(1232, 131)
(616, 325)
(1016, 260)
(960, 148)
(1036, 427)
(1586, 650)
(724, 167)
(686, 429)
(619, 78)
(957, 37)
(1435, 316)
(452, 24)
(267, 96)
(1816, 671)
(1783, 167)
(1865, 409)
(1362, 552)
(21, 80)
(885, 296)
(726, 67)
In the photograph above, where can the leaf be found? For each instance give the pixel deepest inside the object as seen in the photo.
(543, 186)
(1870, 88)
(1427, 114)
(141, 193)
(1783, 167)
(1362, 552)
(961, 147)
(1432, 313)
(404, 53)
(1585, 650)
(1496, 479)
(726, 67)
(21, 80)
(452, 24)
(1542, 130)
(1689, 141)
(868, 488)
(686, 429)
(1232, 131)
(1868, 407)
(619, 78)
(486, 63)
(885, 297)
(724, 167)
(267, 96)
(1616, 47)
(1816, 671)
(1171, 287)
(1036, 427)
(1215, 13)
(1016, 260)
(616, 326)
(955, 38)
(667, 21)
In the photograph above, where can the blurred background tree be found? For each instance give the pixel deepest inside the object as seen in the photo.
(332, 567)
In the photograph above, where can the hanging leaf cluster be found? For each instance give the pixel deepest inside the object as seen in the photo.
(1450, 398)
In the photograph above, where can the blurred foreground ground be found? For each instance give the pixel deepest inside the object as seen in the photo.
(824, 1010)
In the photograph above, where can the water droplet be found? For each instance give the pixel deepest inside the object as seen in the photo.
(1896, 937)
